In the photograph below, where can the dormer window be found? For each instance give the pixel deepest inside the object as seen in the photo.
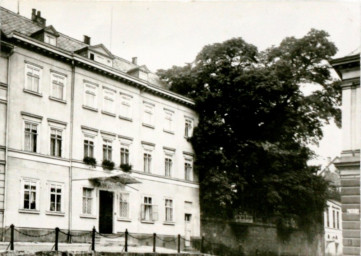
(49, 39)
(98, 53)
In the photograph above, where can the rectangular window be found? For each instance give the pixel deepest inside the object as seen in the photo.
(31, 135)
(124, 156)
(56, 142)
(333, 219)
(327, 217)
(87, 201)
(149, 210)
(49, 39)
(125, 107)
(107, 150)
(188, 128)
(337, 220)
(32, 82)
(108, 101)
(188, 170)
(147, 162)
(124, 205)
(57, 86)
(168, 121)
(168, 210)
(90, 96)
(30, 189)
(168, 166)
(148, 114)
(55, 197)
(88, 148)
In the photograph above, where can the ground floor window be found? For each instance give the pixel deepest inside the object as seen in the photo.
(124, 205)
(149, 210)
(30, 195)
(55, 197)
(168, 210)
(87, 200)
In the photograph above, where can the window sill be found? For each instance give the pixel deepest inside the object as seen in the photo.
(148, 125)
(57, 99)
(90, 108)
(29, 211)
(147, 221)
(167, 131)
(108, 113)
(124, 219)
(87, 216)
(62, 214)
(126, 118)
(170, 223)
(33, 93)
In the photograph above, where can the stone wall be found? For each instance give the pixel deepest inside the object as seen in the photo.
(254, 239)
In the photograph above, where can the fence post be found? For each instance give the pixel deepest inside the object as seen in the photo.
(126, 240)
(154, 240)
(202, 244)
(12, 227)
(93, 239)
(179, 237)
(56, 238)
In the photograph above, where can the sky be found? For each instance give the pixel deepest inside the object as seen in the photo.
(166, 33)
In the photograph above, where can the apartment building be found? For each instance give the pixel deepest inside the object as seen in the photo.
(90, 139)
(348, 68)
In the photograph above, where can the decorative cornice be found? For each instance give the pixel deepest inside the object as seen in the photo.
(50, 120)
(83, 127)
(23, 113)
(148, 143)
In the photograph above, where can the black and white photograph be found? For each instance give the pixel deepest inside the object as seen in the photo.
(186, 127)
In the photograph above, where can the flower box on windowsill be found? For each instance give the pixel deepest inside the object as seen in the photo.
(108, 165)
(126, 167)
(90, 161)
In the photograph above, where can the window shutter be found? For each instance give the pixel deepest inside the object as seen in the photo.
(155, 212)
(142, 212)
(37, 200)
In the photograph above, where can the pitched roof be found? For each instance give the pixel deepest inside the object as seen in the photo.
(11, 22)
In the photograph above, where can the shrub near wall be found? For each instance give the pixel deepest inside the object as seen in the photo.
(251, 239)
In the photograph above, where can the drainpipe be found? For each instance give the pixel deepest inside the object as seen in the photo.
(70, 218)
(7, 134)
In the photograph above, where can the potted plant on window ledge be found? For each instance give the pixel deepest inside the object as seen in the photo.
(107, 164)
(90, 161)
(126, 167)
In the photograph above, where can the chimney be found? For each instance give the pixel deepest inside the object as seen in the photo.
(36, 17)
(87, 40)
(135, 60)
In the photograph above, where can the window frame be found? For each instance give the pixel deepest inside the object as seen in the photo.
(188, 128)
(92, 203)
(47, 35)
(61, 141)
(89, 139)
(148, 110)
(153, 210)
(188, 175)
(125, 106)
(109, 95)
(36, 124)
(107, 148)
(33, 68)
(126, 202)
(168, 121)
(171, 207)
(62, 203)
(53, 77)
(31, 182)
(92, 90)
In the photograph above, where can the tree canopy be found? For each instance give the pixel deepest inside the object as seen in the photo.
(258, 112)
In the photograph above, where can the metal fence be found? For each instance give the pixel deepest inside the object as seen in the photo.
(92, 236)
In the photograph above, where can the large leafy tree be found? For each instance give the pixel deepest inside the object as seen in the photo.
(258, 112)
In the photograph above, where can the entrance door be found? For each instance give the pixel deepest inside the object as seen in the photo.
(105, 212)
(188, 229)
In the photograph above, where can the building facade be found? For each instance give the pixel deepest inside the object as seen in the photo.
(348, 68)
(74, 119)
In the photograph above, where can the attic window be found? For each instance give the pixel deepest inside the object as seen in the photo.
(92, 56)
(49, 39)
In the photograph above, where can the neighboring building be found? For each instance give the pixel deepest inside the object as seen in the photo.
(332, 214)
(348, 164)
(64, 103)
